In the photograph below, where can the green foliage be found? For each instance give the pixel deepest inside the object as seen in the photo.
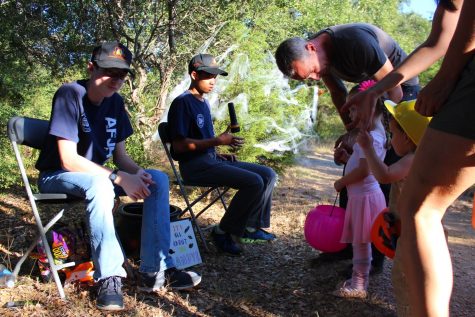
(9, 174)
(46, 43)
(329, 124)
(272, 117)
(33, 89)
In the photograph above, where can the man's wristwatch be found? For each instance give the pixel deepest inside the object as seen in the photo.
(113, 175)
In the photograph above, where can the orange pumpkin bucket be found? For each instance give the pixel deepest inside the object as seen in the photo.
(385, 231)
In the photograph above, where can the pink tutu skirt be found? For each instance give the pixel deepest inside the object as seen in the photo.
(361, 211)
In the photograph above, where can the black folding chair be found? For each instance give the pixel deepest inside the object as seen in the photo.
(32, 132)
(182, 184)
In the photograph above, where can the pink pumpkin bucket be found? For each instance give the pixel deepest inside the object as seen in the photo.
(323, 228)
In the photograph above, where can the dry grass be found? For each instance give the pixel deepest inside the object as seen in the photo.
(283, 278)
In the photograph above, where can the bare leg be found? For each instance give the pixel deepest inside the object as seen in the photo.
(443, 168)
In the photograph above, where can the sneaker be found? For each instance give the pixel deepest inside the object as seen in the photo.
(225, 243)
(258, 236)
(180, 279)
(173, 278)
(151, 282)
(346, 291)
(109, 294)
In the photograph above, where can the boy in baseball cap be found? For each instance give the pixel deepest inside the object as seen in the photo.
(194, 147)
(88, 126)
(205, 63)
(112, 55)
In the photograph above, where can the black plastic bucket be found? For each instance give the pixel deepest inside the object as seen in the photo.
(128, 225)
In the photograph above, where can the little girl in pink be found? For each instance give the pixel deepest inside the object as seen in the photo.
(365, 202)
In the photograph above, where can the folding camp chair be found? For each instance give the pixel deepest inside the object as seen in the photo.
(182, 184)
(32, 132)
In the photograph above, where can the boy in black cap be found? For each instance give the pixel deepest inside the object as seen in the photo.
(88, 126)
(193, 146)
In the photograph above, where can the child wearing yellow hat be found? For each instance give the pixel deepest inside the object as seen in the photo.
(407, 127)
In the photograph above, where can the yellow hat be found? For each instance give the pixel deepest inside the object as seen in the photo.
(408, 118)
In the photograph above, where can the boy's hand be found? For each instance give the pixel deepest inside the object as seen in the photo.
(146, 177)
(135, 185)
(364, 139)
(227, 138)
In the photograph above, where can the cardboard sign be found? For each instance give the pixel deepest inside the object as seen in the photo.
(183, 247)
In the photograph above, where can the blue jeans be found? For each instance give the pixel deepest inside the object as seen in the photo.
(99, 193)
(251, 204)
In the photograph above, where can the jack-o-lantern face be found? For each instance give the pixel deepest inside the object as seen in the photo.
(385, 231)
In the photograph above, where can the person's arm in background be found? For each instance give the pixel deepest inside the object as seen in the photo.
(461, 51)
(394, 93)
(338, 90)
(434, 47)
(338, 94)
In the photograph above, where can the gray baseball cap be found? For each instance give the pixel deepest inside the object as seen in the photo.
(112, 55)
(205, 63)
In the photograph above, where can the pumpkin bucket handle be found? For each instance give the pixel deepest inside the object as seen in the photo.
(334, 204)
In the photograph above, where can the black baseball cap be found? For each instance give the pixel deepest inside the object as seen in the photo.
(205, 63)
(112, 55)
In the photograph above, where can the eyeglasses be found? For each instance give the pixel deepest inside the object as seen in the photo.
(114, 73)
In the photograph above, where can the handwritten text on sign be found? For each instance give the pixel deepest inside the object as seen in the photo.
(183, 247)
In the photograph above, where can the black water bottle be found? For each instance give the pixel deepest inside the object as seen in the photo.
(232, 116)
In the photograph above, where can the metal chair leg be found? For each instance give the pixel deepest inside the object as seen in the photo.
(54, 268)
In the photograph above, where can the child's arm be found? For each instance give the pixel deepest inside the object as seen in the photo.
(354, 176)
(384, 174)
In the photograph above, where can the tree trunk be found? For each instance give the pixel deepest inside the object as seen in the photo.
(161, 103)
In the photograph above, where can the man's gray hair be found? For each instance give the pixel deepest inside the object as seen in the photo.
(289, 51)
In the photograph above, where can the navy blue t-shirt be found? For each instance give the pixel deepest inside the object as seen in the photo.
(189, 117)
(360, 50)
(95, 128)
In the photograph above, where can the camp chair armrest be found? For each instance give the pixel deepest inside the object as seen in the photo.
(54, 197)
